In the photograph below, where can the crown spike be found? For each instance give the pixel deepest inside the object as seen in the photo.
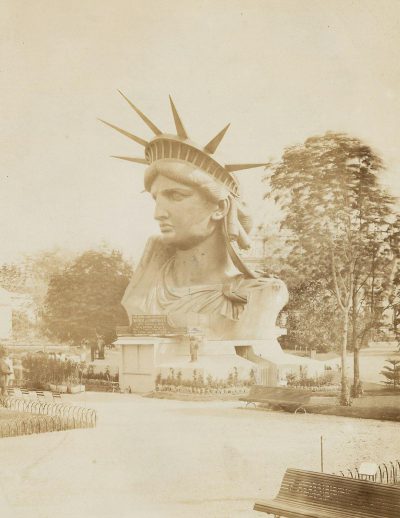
(178, 123)
(126, 133)
(145, 119)
(214, 143)
(238, 167)
(131, 159)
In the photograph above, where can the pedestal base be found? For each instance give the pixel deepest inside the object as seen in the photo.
(146, 361)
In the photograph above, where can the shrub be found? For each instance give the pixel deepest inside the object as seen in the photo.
(392, 373)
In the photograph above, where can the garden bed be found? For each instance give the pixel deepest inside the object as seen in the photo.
(185, 396)
(14, 423)
(10, 415)
(366, 407)
(97, 385)
(383, 413)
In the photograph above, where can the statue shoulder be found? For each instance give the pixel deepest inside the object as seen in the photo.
(260, 288)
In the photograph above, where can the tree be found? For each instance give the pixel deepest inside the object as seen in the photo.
(83, 301)
(392, 373)
(30, 278)
(393, 287)
(339, 219)
(312, 321)
(39, 268)
(12, 277)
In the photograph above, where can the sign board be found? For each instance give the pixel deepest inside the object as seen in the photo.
(153, 325)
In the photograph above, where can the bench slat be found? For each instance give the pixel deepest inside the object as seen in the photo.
(301, 511)
(310, 494)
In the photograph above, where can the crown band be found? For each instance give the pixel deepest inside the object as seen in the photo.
(163, 148)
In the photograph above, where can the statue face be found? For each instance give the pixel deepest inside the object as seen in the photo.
(184, 213)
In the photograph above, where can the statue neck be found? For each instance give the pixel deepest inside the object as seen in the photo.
(205, 263)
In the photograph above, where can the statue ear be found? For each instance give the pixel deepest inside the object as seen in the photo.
(221, 211)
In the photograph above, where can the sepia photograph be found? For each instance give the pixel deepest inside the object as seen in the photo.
(200, 259)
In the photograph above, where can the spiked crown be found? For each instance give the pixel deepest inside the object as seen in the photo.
(180, 147)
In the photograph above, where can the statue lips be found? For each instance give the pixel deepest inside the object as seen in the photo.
(165, 227)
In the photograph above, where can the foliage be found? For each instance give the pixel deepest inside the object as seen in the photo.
(303, 380)
(339, 225)
(89, 374)
(30, 278)
(312, 319)
(392, 373)
(39, 269)
(42, 369)
(22, 326)
(12, 277)
(394, 295)
(84, 299)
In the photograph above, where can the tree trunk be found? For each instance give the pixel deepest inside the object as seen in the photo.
(356, 389)
(345, 395)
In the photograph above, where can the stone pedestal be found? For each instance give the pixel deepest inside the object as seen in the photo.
(143, 358)
(139, 358)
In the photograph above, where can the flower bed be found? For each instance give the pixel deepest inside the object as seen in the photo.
(232, 385)
(239, 390)
(99, 385)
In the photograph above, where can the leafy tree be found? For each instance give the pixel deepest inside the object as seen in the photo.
(12, 277)
(339, 223)
(39, 268)
(392, 373)
(30, 277)
(22, 326)
(393, 288)
(84, 299)
(312, 321)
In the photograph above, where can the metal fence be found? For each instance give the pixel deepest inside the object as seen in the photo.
(38, 416)
(387, 473)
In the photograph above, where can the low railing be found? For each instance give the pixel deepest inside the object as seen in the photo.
(44, 417)
(387, 473)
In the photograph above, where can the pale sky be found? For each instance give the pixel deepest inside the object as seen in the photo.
(278, 70)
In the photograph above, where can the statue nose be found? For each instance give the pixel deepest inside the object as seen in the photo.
(160, 211)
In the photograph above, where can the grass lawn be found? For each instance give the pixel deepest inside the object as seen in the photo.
(10, 415)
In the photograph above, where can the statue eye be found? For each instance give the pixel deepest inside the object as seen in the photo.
(177, 195)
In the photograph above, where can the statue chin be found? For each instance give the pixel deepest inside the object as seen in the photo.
(185, 242)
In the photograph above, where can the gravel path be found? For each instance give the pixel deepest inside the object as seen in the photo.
(164, 458)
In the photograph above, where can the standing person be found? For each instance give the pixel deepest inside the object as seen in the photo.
(100, 346)
(4, 371)
(11, 376)
(93, 350)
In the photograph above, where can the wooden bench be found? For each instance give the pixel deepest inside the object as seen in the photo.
(40, 394)
(306, 494)
(281, 397)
